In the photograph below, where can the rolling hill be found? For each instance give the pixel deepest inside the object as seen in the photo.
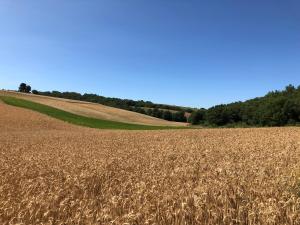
(93, 110)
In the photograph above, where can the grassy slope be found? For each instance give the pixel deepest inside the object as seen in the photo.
(77, 119)
(93, 110)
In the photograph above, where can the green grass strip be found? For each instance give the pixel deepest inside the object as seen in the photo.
(77, 119)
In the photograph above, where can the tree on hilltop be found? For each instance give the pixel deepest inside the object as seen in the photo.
(24, 88)
(28, 89)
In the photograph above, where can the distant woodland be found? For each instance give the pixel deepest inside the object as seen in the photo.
(277, 108)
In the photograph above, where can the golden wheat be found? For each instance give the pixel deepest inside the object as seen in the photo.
(55, 173)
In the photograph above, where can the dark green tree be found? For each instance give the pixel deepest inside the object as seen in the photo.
(167, 115)
(22, 87)
(197, 117)
(28, 89)
(217, 115)
(178, 116)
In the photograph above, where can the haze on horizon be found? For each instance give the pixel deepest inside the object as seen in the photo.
(187, 53)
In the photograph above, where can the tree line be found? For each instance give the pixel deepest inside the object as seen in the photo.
(277, 108)
(166, 112)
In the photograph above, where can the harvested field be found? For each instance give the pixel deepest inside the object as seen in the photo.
(93, 110)
(55, 173)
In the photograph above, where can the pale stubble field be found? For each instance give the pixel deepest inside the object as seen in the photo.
(55, 173)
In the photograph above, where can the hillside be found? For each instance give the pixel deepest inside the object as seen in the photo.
(277, 108)
(18, 119)
(93, 110)
(162, 111)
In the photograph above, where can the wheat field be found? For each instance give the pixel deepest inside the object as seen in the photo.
(55, 173)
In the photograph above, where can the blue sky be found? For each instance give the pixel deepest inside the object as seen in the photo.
(184, 52)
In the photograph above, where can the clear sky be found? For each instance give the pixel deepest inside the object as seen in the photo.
(184, 52)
